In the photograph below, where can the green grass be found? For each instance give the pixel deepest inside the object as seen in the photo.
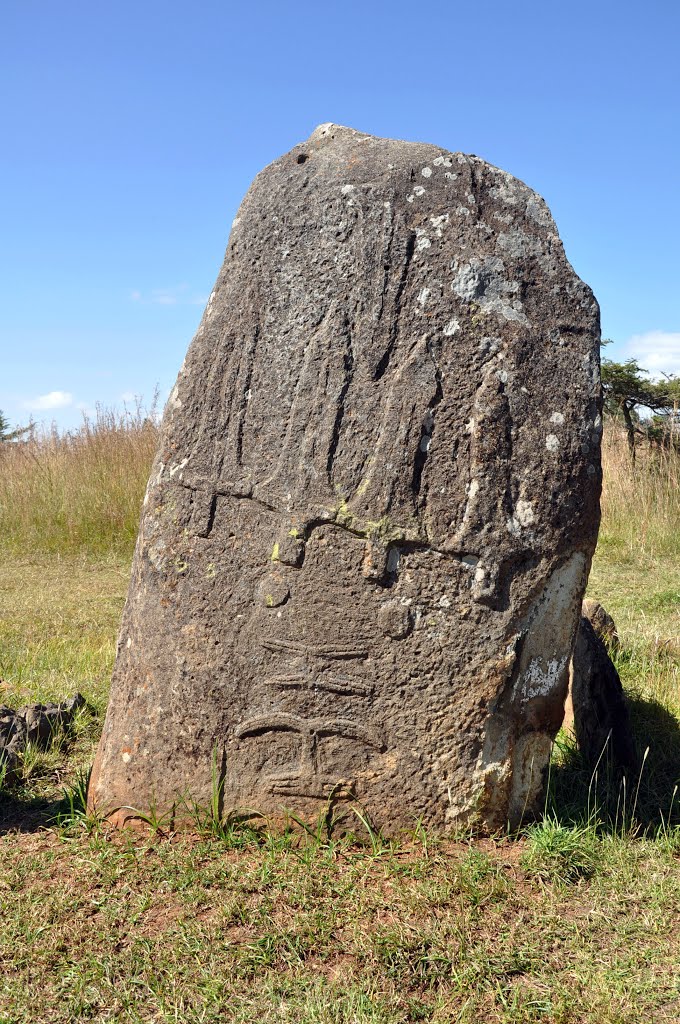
(130, 928)
(58, 625)
(636, 575)
(642, 593)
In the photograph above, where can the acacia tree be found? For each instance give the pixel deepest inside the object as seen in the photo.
(628, 388)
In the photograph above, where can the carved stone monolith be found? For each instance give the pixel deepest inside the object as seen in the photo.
(368, 527)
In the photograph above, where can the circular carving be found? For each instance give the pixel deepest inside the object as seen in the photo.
(395, 619)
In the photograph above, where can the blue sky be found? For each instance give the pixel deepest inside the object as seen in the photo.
(131, 131)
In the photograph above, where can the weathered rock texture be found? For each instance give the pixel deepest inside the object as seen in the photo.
(369, 523)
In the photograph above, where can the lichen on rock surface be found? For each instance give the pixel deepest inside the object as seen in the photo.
(369, 525)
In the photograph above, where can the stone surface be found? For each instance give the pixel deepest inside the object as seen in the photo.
(602, 622)
(595, 708)
(371, 516)
(34, 723)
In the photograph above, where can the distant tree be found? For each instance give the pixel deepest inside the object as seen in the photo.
(10, 435)
(628, 388)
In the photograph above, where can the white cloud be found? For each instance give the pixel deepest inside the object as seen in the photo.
(180, 294)
(52, 400)
(129, 396)
(656, 351)
(164, 296)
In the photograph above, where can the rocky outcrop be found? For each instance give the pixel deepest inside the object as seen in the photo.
(371, 516)
(33, 724)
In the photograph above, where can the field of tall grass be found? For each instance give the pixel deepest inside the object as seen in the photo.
(77, 492)
(572, 920)
(640, 500)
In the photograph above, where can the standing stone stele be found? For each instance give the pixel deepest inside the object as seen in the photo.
(371, 516)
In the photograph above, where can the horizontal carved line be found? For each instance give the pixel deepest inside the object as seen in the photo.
(331, 652)
(301, 681)
(312, 727)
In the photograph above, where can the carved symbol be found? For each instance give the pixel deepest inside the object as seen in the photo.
(343, 685)
(203, 504)
(204, 495)
(331, 652)
(306, 779)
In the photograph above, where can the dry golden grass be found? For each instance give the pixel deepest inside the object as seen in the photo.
(640, 501)
(80, 492)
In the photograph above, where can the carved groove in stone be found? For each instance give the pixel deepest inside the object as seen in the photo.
(333, 684)
(332, 652)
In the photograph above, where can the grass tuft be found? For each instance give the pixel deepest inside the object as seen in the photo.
(561, 853)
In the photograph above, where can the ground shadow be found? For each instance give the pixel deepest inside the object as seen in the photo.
(19, 813)
(648, 798)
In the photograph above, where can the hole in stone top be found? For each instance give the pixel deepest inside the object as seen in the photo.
(302, 157)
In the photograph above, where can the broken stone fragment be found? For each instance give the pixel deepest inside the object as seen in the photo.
(379, 472)
(595, 708)
(602, 623)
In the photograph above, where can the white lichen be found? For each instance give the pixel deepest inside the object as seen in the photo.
(524, 512)
(438, 223)
(178, 467)
(539, 681)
